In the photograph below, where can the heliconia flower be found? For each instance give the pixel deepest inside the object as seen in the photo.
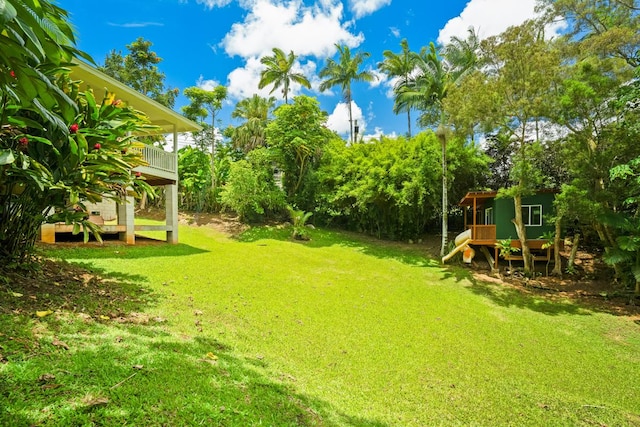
(13, 74)
(97, 146)
(74, 128)
(116, 103)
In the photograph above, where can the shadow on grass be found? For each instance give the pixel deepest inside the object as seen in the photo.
(58, 285)
(109, 250)
(507, 296)
(320, 238)
(97, 359)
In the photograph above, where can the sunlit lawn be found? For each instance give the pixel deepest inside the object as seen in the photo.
(335, 331)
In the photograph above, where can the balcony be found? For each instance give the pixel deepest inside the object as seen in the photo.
(483, 233)
(162, 168)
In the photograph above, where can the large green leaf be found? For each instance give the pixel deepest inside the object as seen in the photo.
(6, 157)
(7, 12)
(629, 243)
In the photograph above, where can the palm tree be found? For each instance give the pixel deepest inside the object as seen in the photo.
(255, 111)
(342, 73)
(400, 66)
(427, 90)
(279, 72)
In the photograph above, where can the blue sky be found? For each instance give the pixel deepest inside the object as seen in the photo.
(209, 42)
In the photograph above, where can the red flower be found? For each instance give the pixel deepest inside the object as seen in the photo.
(13, 74)
(24, 141)
(97, 146)
(116, 103)
(138, 174)
(74, 128)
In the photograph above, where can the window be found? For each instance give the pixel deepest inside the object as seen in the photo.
(532, 215)
(488, 216)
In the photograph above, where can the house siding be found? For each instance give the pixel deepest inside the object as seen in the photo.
(504, 212)
(107, 209)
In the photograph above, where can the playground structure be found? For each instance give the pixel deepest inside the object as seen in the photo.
(488, 220)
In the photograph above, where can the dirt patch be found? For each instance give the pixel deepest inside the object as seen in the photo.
(591, 284)
(227, 224)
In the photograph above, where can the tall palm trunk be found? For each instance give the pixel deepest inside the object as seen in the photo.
(350, 121)
(441, 133)
(409, 123)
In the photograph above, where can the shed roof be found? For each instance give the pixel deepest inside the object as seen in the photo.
(482, 196)
(467, 200)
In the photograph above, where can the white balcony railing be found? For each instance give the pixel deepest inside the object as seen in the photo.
(159, 159)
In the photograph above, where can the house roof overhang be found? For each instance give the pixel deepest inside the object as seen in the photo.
(479, 196)
(165, 118)
(482, 196)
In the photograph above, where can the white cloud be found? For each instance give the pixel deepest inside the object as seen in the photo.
(243, 81)
(214, 3)
(490, 18)
(379, 79)
(207, 84)
(362, 8)
(307, 30)
(377, 133)
(338, 120)
(136, 24)
(395, 31)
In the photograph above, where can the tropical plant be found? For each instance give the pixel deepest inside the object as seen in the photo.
(49, 174)
(255, 112)
(205, 103)
(194, 170)
(279, 72)
(251, 191)
(506, 250)
(389, 188)
(297, 135)
(139, 70)
(58, 146)
(299, 220)
(429, 86)
(342, 73)
(400, 66)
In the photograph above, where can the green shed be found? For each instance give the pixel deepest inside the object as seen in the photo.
(488, 218)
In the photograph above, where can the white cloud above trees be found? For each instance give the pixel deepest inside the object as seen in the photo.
(309, 31)
(490, 18)
(362, 8)
(338, 120)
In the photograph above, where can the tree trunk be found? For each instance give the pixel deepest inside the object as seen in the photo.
(522, 234)
(574, 251)
(409, 123)
(490, 260)
(350, 121)
(445, 217)
(557, 260)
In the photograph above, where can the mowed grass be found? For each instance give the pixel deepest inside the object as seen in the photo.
(340, 330)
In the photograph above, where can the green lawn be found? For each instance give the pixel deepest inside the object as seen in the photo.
(336, 331)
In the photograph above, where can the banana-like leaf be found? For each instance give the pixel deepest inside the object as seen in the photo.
(6, 156)
(7, 12)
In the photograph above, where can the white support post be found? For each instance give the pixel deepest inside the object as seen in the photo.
(126, 218)
(171, 203)
(171, 198)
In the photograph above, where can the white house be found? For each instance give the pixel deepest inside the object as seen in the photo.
(162, 169)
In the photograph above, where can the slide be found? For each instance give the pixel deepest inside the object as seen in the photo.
(461, 241)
